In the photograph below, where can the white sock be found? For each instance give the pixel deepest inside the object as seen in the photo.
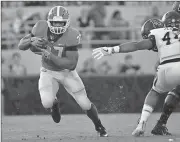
(146, 112)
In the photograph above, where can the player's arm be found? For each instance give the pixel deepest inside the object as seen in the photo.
(30, 39)
(132, 46)
(25, 42)
(145, 44)
(68, 62)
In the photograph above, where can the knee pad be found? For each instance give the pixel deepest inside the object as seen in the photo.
(171, 101)
(47, 98)
(82, 99)
(175, 92)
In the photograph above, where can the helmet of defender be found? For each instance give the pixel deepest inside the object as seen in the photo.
(176, 6)
(171, 19)
(150, 25)
(58, 20)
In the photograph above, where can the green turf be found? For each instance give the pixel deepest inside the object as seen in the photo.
(78, 128)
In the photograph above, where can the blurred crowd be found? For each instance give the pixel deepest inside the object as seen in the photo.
(94, 17)
(89, 18)
(75, 3)
(126, 68)
(12, 66)
(53, 3)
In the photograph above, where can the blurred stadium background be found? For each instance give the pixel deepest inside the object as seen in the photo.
(118, 83)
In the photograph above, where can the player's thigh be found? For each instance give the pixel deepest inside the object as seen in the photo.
(173, 75)
(75, 87)
(72, 82)
(168, 77)
(81, 98)
(159, 83)
(48, 88)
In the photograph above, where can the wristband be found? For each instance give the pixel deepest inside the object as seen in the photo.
(116, 49)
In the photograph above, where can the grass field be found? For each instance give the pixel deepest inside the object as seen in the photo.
(78, 128)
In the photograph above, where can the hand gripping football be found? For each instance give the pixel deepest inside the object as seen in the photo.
(39, 42)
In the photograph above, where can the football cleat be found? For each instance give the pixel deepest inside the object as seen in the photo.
(160, 129)
(55, 112)
(140, 129)
(101, 130)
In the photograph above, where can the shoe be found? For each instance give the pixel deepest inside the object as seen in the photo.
(160, 129)
(55, 112)
(140, 129)
(101, 130)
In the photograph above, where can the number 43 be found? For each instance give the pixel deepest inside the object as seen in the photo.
(167, 38)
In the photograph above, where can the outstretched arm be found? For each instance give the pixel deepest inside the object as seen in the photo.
(28, 41)
(132, 46)
(124, 48)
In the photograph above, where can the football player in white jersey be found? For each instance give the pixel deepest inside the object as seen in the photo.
(168, 46)
(153, 97)
(171, 101)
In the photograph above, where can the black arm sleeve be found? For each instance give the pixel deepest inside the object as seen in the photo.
(69, 48)
(72, 48)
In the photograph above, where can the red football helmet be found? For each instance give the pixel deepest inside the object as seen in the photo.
(171, 19)
(58, 20)
(176, 6)
(150, 25)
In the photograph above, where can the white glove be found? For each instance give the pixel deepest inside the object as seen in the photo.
(98, 53)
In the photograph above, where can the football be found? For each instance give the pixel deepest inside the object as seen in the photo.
(35, 50)
(35, 41)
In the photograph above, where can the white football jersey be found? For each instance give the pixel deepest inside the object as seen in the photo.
(167, 43)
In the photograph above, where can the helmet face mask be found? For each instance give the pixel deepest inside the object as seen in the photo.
(58, 20)
(58, 23)
(171, 19)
